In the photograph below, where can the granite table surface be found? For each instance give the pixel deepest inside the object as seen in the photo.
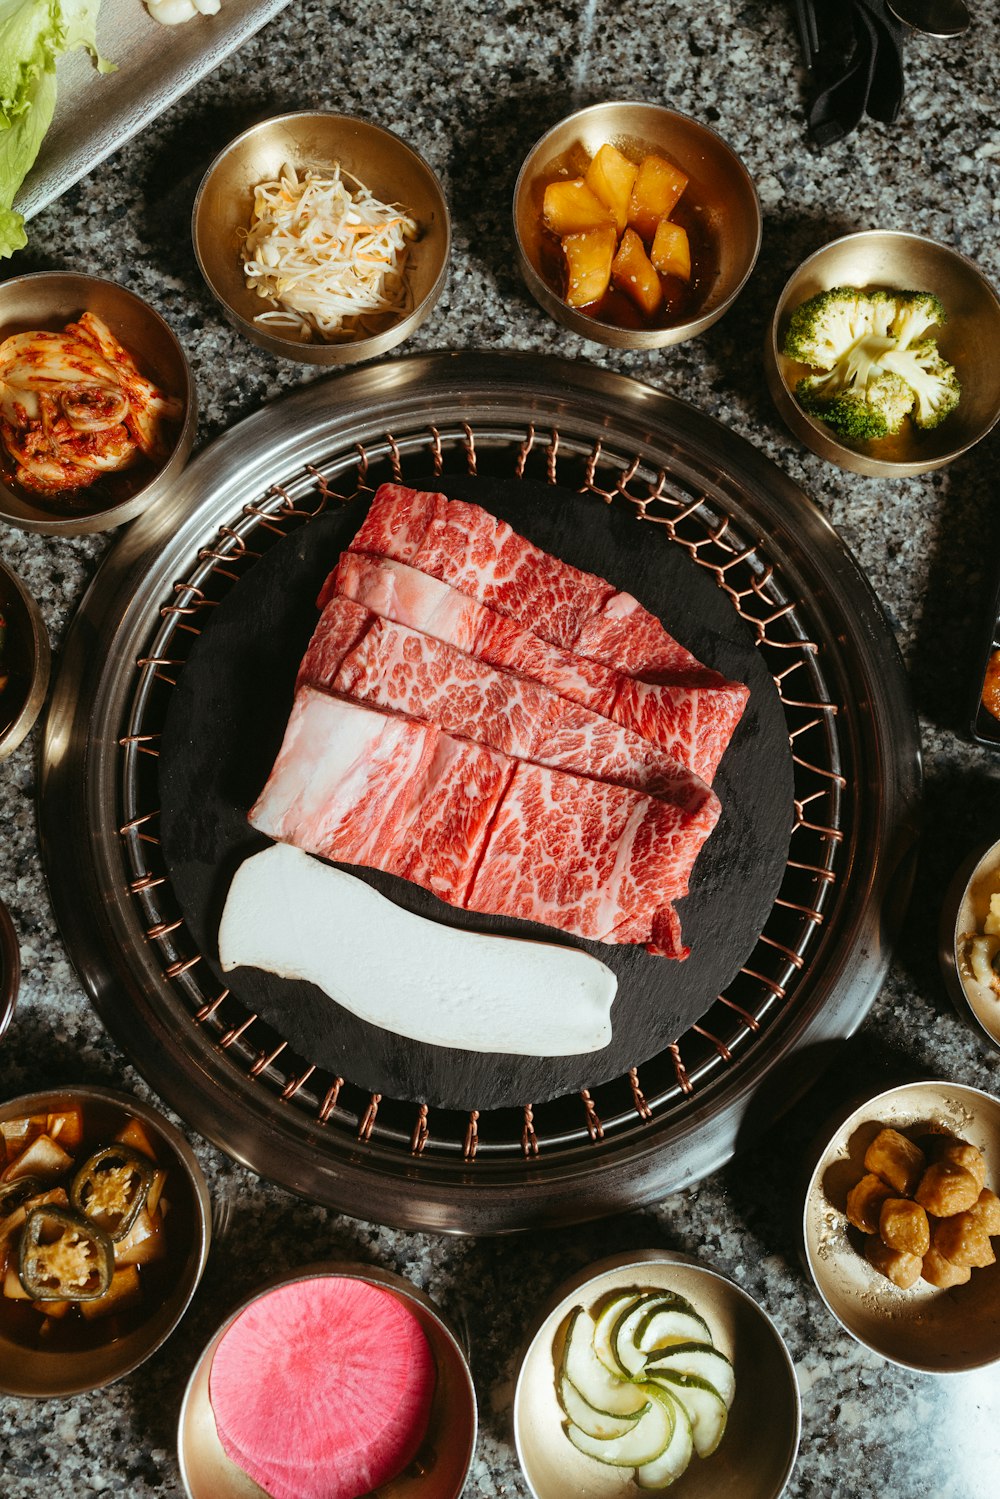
(471, 84)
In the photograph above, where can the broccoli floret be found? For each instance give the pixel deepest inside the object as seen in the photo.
(915, 312)
(892, 396)
(828, 326)
(847, 412)
(931, 378)
(877, 366)
(858, 412)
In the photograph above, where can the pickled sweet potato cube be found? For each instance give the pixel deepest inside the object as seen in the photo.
(864, 1203)
(43, 1158)
(588, 264)
(611, 177)
(658, 186)
(633, 271)
(937, 1271)
(569, 207)
(896, 1265)
(671, 252)
(897, 1161)
(903, 1225)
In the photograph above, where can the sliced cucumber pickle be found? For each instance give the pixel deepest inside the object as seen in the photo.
(670, 1323)
(704, 1405)
(624, 1336)
(672, 1461)
(648, 1438)
(700, 1359)
(606, 1393)
(643, 1386)
(604, 1329)
(595, 1423)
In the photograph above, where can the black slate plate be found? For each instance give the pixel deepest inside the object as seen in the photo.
(226, 721)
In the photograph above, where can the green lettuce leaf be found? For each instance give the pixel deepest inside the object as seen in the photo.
(18, 148)
(33, 36)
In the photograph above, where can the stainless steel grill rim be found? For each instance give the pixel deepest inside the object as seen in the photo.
(857, 782)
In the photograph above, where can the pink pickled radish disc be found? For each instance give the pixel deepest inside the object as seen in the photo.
(322, 1389)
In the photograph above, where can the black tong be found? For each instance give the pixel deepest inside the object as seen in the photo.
(855, 50)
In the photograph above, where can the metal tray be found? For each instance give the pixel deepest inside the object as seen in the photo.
(824, 948)
(95, 113)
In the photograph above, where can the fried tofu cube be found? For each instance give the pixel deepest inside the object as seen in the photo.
(903, 1225)
(897, 1161)
(961, 1153)
(946, 1189)
(896, 1265)
(658, 187)
(588, 264)
(611, 177)
(987, 1212)
(633, 272)
(937, 1271)
(569, 207)
(864, 1203)
(963, 1240)
(671, 252)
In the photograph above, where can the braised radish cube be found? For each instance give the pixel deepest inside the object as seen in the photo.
(588, 264)
(633, 272)
(135, 1136)
(12, 1286)
(571, 208)
(18, 1133)
(43, 1158)
(658, 186)
(671, 252)
(125, 1290)
(67, 1128)
(611, 177)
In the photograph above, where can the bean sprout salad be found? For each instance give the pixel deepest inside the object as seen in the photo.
(327, 252)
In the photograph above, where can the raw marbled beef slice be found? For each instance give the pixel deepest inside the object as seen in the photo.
(341, 785)
(692, 724)
(587, 856)
(391, 666)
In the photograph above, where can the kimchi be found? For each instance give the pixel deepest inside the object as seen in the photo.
(74, 406)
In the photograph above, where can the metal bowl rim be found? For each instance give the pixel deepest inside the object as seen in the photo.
(287, 348)
(375, 1275)
(10, 968)
(871, 467)
(691, 327)
(188, 1161)
(94, 521)
(814, 1186)
(965, 875)
(41, 650)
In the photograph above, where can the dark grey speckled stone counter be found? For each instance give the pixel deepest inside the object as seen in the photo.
(471, 85)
